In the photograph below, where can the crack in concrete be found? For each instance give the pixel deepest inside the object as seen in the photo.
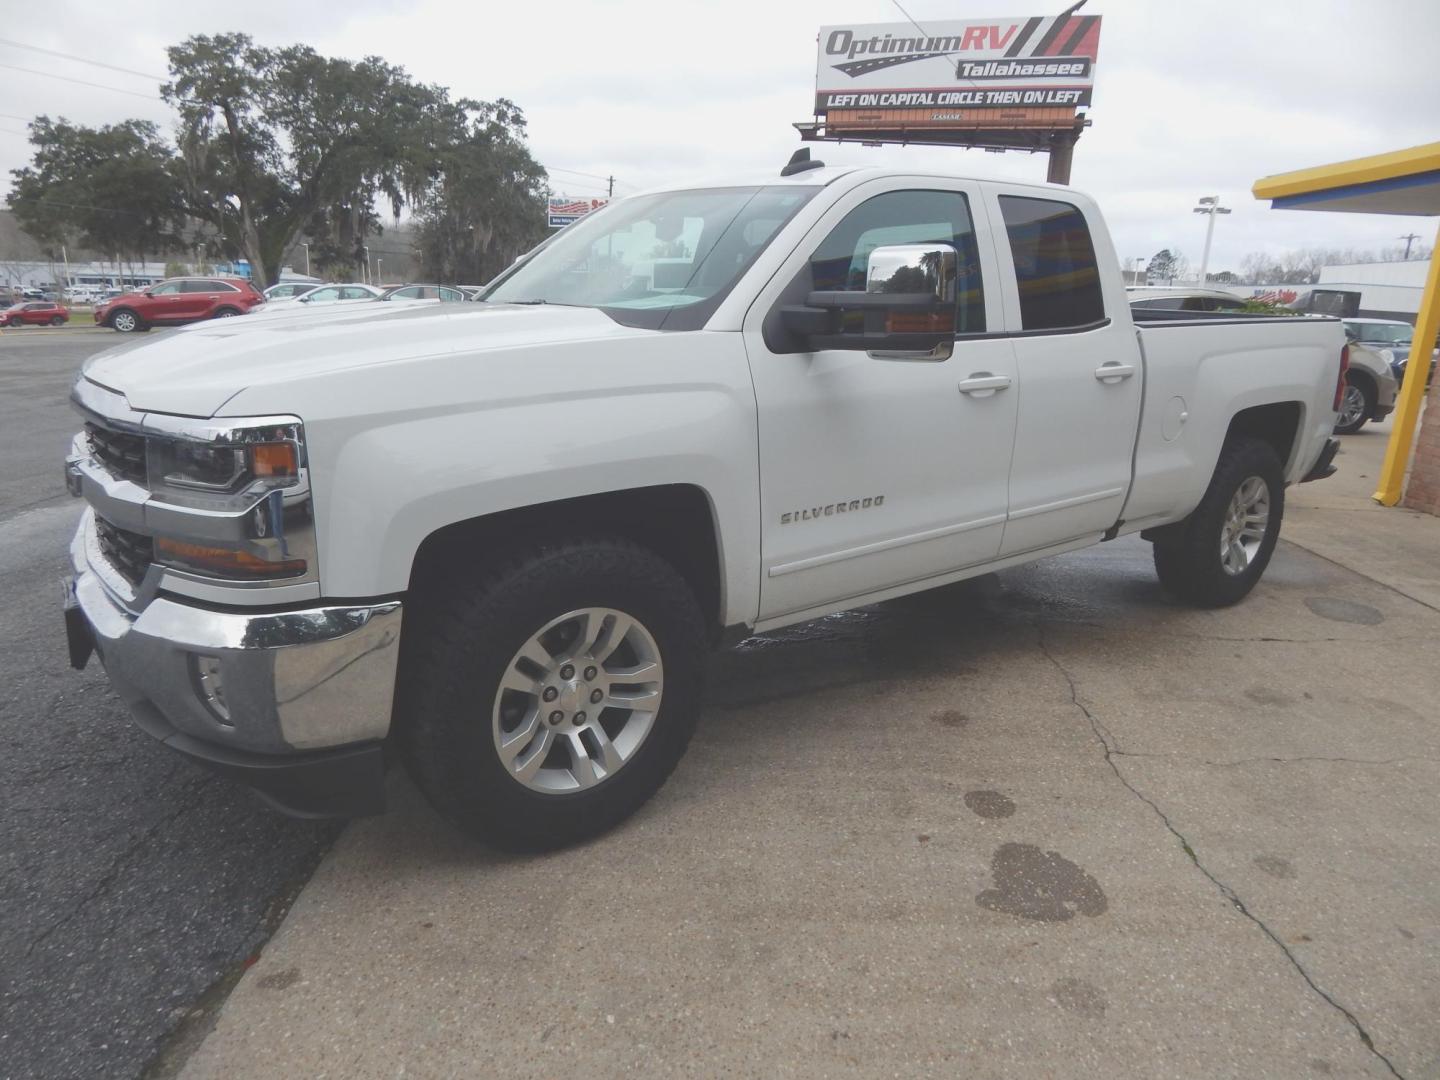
(1153, 632)
(1109, 748)
(1293, 760)
(1117, 752)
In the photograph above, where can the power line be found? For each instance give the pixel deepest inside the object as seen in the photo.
(82, 82)
(577, 172)
(81, 59)
(12, 116)
(927, 34)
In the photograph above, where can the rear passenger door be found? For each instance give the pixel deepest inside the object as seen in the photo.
(197, 299)
(1078, 368)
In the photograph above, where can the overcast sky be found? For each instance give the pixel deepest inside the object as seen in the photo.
(1191, 99)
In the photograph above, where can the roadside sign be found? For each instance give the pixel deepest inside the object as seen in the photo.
(972, 75)
(564, 210)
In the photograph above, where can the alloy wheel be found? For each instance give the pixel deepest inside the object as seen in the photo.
(1352, 406)
(577, 700)
(1246, 520)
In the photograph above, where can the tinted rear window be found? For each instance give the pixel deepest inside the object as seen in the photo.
(1055, 266)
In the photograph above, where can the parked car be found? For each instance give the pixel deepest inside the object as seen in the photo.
(1391, 339)
(496, 542)
(1151, 298)
(340, 294)
(35, 313)
(288, 290)
(178, 300)
(1370, 390)
(445, 293)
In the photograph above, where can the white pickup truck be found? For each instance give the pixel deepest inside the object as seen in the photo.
(495, 540)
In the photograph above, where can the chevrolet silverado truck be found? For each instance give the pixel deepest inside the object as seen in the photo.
(494, 541)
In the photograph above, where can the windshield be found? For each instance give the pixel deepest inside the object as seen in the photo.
(664, 262)
(1382, 333)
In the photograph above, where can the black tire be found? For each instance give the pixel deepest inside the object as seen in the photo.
(125, 321)
(1361, 384)
(57, 321)
(460, 643)
(1188, 555)
(225, 313)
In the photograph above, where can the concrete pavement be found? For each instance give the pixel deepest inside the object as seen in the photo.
(1047, 824)
(1396, 546)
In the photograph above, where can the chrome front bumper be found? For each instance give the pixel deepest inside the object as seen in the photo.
(292, 681)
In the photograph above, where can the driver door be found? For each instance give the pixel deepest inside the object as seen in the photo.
(878, 471)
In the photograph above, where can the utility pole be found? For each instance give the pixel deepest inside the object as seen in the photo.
(1409, 239)
(611, 194)
(1210, 206)
(307, 257)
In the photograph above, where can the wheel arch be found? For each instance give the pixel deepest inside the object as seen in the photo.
(676, 521)
(1277, 423)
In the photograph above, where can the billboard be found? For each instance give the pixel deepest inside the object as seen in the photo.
(975, 73)
(563, 210)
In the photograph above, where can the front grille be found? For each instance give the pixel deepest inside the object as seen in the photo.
(122, 453)
(130, 553)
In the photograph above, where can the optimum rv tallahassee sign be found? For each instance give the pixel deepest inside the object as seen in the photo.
(563, 210)
(979, 73)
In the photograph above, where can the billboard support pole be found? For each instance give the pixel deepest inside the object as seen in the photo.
(1062, 152)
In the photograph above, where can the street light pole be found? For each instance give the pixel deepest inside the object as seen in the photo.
(307, 257)
(379, 269)
(1210, 206)
(366, 249)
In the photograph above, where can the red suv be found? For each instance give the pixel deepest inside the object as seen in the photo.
(35, 312)
(178, 300)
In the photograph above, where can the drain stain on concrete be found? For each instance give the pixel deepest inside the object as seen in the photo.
(1040, 885)
(1264, 695)
(1275, 866)
(951, 718)
(1346, 611)
(279, 980)
(989, 804)
(1077, 996)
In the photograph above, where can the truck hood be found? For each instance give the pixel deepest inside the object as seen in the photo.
(195, 370)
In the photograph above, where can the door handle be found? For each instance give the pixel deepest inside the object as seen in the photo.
(983, 384)
(1113, 372)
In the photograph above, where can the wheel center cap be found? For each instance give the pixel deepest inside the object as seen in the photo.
(572, 696)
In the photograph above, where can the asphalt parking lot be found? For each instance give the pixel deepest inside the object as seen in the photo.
(130, 881)
(1046, 824)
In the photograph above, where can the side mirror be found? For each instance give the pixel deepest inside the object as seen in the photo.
(907, 309)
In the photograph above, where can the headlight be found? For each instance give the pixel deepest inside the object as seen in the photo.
(236, 497)
(215, 466)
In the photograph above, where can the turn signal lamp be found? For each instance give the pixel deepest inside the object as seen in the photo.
(223, 562)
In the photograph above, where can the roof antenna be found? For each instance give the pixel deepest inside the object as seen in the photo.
(800, 162)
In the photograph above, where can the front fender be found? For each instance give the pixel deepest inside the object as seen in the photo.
(536, 427)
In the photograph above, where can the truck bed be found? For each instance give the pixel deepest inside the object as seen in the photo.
(1201, 369)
